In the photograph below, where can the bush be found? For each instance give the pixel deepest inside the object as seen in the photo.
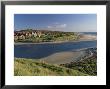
(88, 66)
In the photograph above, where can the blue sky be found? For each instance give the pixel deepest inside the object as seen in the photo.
(57, 22)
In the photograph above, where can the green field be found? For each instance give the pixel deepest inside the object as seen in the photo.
(29, 67)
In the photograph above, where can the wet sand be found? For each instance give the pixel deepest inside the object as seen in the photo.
(61, 57)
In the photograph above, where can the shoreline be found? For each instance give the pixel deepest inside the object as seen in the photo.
(63, 57)
(83, 38)
(24, 43)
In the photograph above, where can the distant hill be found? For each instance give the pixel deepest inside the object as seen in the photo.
(43, 31)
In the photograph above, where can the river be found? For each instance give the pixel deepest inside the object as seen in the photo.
(37, 51)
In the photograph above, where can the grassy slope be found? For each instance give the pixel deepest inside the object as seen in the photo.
(24, 67)
(88, 66)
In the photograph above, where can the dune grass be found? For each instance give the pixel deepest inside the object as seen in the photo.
(88, 66)
(29, 67)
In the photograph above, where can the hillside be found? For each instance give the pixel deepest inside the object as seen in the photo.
(83, 65)
(28, 67)
(88, 65)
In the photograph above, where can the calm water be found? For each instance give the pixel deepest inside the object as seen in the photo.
(89, 33)
(44, 50)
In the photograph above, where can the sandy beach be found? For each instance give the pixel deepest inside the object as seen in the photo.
(61, 57)
(87, 37)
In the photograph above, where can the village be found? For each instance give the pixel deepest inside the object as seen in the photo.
(20, 35)
(42, 35)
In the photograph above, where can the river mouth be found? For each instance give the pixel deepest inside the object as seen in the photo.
(38, 51)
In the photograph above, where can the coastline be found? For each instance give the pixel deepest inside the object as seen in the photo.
(61, 57)
(64, 57)
(83, 38)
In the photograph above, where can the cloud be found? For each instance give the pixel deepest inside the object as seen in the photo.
(62, 25)
(49, 27)
(57, 26)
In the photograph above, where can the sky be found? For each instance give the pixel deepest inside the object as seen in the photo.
(56, 22)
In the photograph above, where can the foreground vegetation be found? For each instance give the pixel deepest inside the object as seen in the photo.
(88, 66)
(28, 67)
(84, 65)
